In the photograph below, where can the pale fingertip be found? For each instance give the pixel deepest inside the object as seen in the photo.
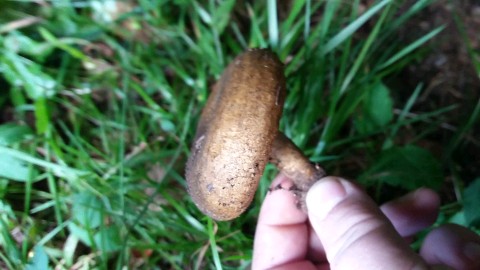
(280, 205)
(413, 212)
(324, 195)
(426, 195)
(281, 234)
(452, 245)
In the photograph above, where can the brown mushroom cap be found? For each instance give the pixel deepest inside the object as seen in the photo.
(235, 134)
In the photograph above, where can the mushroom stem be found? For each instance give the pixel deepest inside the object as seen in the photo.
(290, 161)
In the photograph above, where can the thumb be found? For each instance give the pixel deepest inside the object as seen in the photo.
(353, 230)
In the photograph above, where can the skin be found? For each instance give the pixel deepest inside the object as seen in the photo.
(238, 134)
(345, 229)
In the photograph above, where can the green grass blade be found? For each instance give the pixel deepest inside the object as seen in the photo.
(469, 124)
(273, 24)
(328, 15)
(348, 31)
(59, 170)
(213, 245)
(413, 46)
(363, 53)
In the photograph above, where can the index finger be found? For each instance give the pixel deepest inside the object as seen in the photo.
(282, 234)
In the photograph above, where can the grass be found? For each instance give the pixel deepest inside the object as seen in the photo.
(99, 108)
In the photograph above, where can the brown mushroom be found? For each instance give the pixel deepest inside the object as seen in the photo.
(238, 134)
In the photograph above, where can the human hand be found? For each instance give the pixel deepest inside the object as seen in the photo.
(344, 229)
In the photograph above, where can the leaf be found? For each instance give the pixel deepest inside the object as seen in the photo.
(11, 133)
(459, 219)
(471, 203)
(39, 260)
(13, 168)
(3, 188)
(167, 125)
(61, 44)
(69, 248)
(20, 71)
(377, 110)
(221, 16)
(19, 43)
(87, 210)
(6, 212)
(108, 239)
(80, 233)
(59, 170)
(409, 167)
(42, 119)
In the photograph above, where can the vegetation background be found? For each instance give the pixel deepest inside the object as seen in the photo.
(99, 102)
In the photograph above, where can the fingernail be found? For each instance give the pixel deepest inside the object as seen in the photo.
(472, 251)
(324, 195)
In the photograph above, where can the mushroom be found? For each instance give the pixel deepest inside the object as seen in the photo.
(238, 134)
